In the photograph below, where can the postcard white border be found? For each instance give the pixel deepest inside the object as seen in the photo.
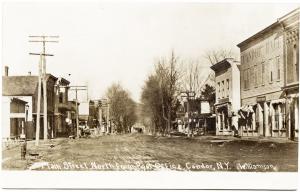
(151, 180)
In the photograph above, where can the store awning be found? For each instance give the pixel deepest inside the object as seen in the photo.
(278, 101)
(218, 106)
(294, 95)
(247, 109)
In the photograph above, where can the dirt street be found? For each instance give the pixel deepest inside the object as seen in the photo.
(147, 153)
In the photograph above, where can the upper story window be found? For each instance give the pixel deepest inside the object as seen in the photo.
(227, 82)
(255, 76)
(296, 62)
(219, 89)
(246, 79)
(277, 68)
(223, 86)
(271, 77)
(277, 45)
(248, 76)
(262, 73)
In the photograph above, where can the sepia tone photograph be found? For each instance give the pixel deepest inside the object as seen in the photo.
(150, 86)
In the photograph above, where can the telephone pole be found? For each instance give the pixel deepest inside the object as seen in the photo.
(42, 76)
(99, 108)
(100, 117)
(76, 89)
(189, 95)
(105, 103)
(108, 122)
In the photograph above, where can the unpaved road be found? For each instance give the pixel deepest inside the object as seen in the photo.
(146, 153)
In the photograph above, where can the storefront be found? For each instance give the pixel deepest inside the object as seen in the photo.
(225, 119)
(292, 112)
(265, 118)
(247, 122)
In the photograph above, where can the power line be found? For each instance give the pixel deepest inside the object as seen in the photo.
(42, 75)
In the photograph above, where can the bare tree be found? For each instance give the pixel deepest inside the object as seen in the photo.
(215, 56)
(191, 76)
(160, 93)
(168, 75)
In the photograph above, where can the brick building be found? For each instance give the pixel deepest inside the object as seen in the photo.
(63, 110)
(290, 24)
(265, 70)
(227, 81)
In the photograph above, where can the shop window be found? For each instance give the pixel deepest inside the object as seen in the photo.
(221, 122)
(277, 120)
(61, 95)
(257, 116)
(277, 116)
(226, 122)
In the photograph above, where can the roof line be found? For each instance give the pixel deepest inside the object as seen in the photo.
(277, 22)
(258, 34)
(226, 60)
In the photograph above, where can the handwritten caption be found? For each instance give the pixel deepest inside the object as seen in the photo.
(152, 166)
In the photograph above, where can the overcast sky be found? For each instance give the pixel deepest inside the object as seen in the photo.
(102, 43)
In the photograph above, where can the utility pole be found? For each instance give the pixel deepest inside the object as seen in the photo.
(108, 124)
(76, 89)
(98, 104)
(42, 75)
(171, 87)
(100, 115)
(99, 107)
(38, 111)
(105, 103)
(189, 95)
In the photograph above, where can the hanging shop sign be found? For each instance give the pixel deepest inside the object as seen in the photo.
(260, 99)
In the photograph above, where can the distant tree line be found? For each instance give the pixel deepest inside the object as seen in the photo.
(122, 108)
(161, 93)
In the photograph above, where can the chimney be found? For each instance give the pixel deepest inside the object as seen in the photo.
(29, 73)
(6, 71)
